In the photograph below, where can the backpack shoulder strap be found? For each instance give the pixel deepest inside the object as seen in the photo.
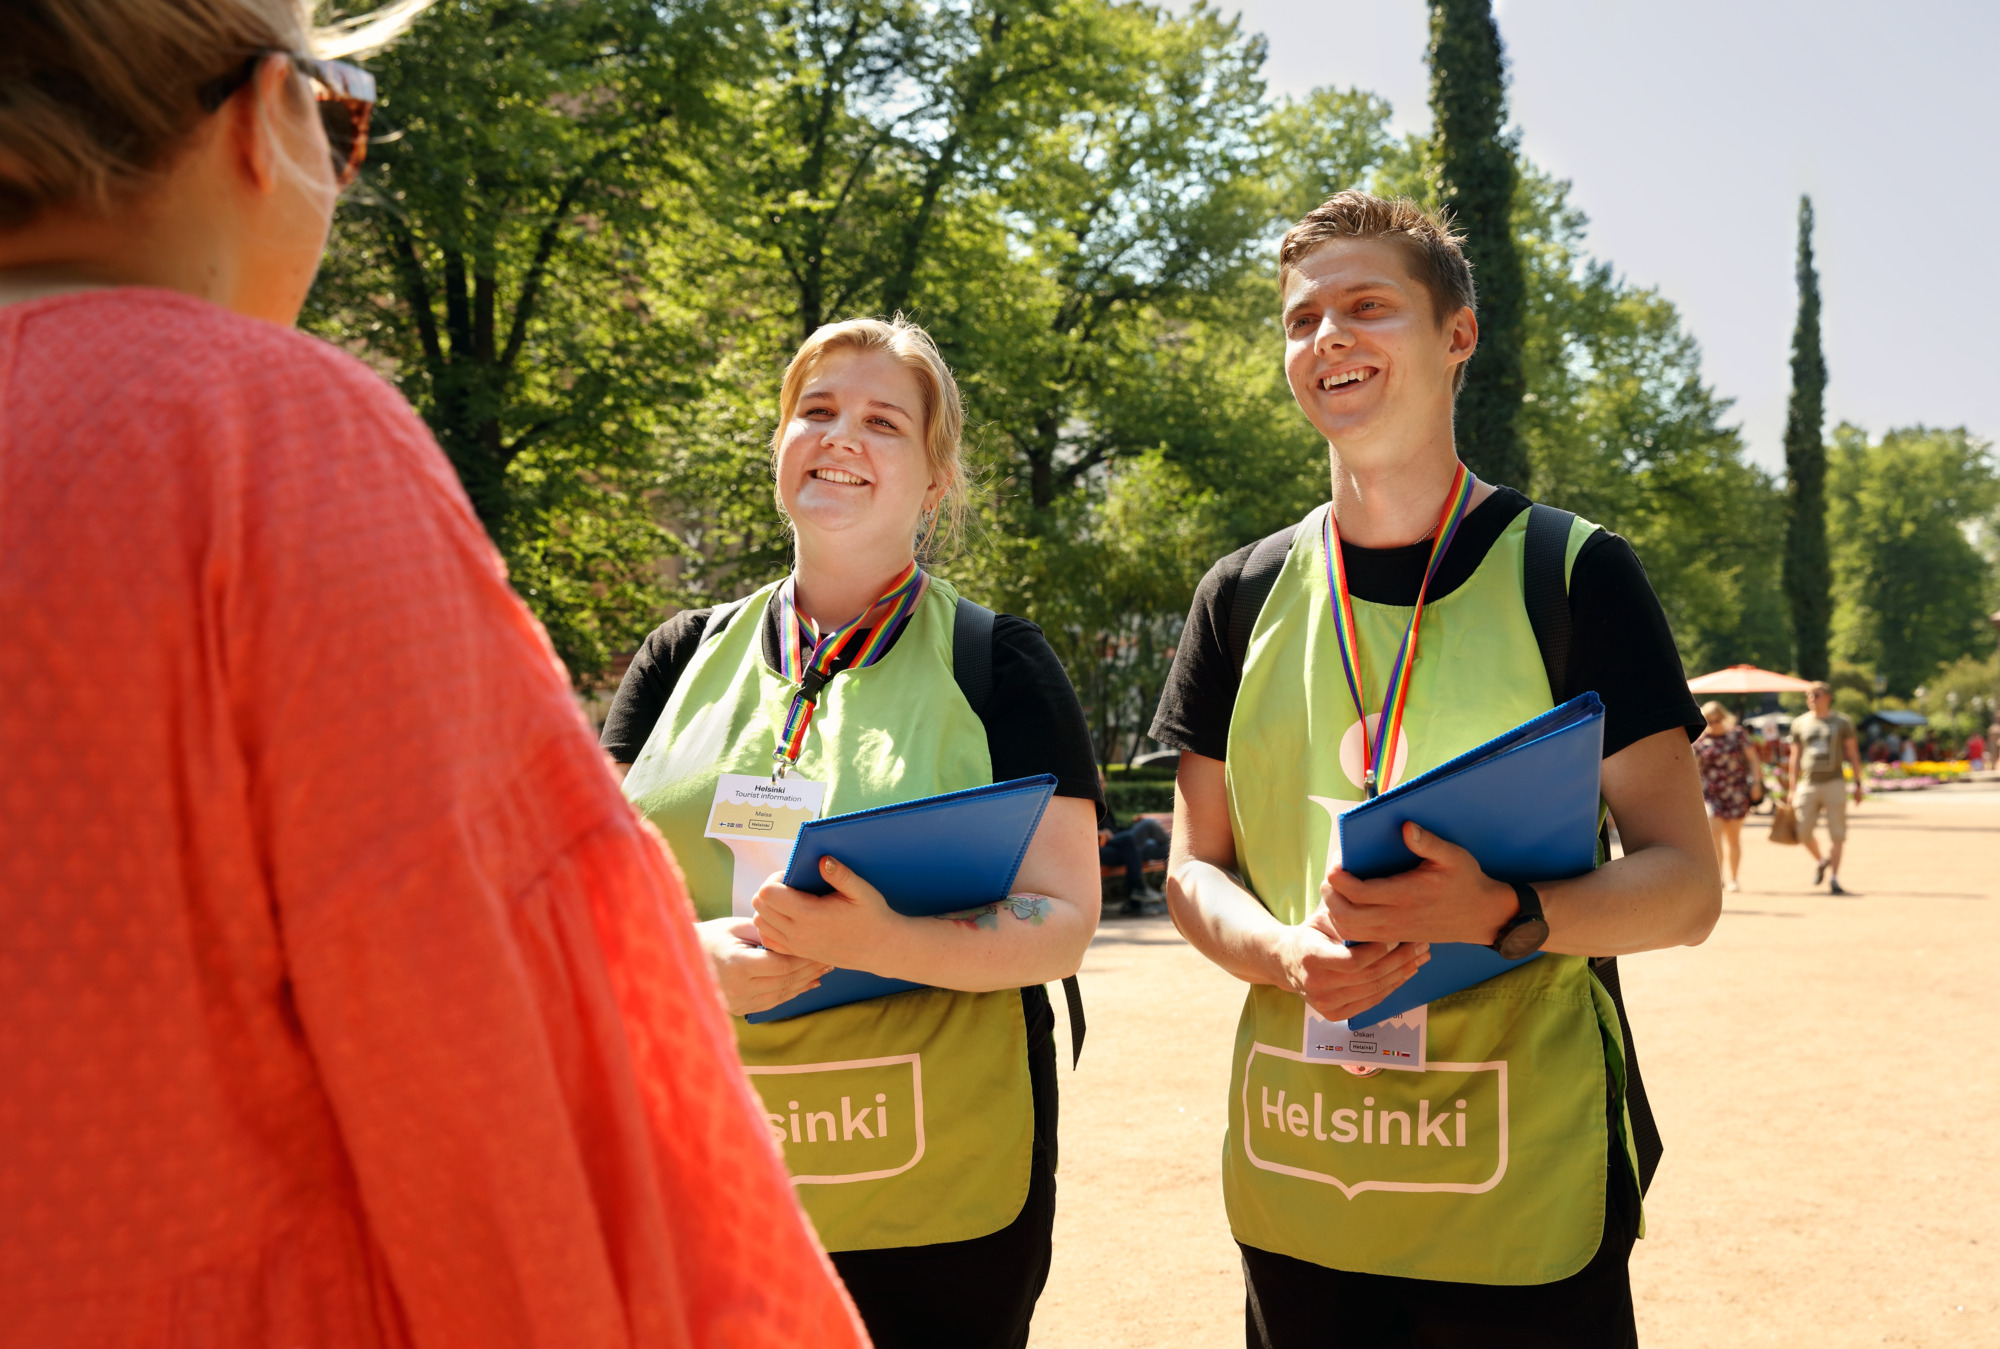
(972, 668)
(1260, 573)
(1545, 590)
(972, 653)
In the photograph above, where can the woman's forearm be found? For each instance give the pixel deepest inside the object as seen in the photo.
(1022, 940)
(1037, 934)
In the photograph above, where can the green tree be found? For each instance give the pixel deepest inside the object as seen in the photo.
(1621, 428)
(1808, 574)
(1138, 195)
(1073, 186)
(1475, 175)
(869, 123)
(1909, 584)
(1135, 419)
(503, 262)
(1960, 698)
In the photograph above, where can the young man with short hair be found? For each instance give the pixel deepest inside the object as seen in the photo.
(1503, 1211)
(1821, 740)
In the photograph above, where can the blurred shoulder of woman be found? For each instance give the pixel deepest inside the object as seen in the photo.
(345, 1004)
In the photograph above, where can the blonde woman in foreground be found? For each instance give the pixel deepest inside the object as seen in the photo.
(347, 1003)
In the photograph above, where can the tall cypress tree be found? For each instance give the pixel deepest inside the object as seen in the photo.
(1476, 176)
(1808, 574)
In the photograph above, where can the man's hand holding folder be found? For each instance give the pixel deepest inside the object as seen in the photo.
(1338, 980)
(1445, 898)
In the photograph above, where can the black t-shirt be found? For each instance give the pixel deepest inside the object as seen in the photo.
(1620, 645)
(1033, 721)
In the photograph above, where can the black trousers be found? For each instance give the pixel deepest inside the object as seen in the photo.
(1131, 848)
(1293, 1304)
(977, 1294)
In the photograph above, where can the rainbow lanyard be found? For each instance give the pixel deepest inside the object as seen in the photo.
(1390, 724)
(813, 672)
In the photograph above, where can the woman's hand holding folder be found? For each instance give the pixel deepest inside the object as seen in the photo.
(753, 978)
(852, 929)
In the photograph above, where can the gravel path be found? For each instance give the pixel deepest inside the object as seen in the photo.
(1826, 1071)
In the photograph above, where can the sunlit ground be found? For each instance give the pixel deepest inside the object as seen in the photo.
(1824, 1071)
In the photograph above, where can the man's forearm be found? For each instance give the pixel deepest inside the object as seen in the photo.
(1644, 901)
(1224, 921)
(1667, 888)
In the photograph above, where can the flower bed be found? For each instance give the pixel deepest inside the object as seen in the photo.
(1931, 772)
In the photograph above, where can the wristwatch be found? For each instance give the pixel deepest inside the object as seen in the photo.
(1523, 934)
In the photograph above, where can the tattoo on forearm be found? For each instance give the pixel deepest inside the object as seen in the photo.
(1028, 908)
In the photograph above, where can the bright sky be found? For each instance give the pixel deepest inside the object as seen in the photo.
(1688, 131)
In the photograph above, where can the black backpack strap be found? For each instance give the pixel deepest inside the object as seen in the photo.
(972, 653)
(1645, 1130)
(972, 668)
(719, 618)
(1545, 590)
(1253, 587)
(1073, 995)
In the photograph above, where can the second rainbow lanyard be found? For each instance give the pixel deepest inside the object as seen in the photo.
(1376, 749)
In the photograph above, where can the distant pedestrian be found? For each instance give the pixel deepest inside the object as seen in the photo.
(1729, 784)
(1822, 740)
(1975, 751)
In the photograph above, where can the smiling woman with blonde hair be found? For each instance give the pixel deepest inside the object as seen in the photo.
(843, 677)
(346, 1002)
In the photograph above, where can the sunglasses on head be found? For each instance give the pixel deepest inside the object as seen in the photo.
(345, 94)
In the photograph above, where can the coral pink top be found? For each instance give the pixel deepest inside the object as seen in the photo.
(343, 1000)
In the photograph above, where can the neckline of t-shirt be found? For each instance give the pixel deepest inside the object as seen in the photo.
(1370, 575)
(774, 658)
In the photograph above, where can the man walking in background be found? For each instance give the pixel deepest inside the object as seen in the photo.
(1822, 740)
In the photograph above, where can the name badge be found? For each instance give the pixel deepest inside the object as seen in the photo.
(1398, 1042)
(759, 819)
(751, 806)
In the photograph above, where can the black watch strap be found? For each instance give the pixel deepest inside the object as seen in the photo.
(1523, 934)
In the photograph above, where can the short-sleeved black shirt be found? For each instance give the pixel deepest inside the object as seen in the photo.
(1620, 645)
(1034, 723)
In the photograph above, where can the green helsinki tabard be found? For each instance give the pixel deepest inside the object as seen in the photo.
(905, 1120)
(1488, 1167)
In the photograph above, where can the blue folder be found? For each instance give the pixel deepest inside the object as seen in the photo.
(1524, 804)
(939, 854)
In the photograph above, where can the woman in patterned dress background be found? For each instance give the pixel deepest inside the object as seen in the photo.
(1728, 768)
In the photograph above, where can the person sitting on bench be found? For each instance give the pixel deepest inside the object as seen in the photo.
(1141, 842)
